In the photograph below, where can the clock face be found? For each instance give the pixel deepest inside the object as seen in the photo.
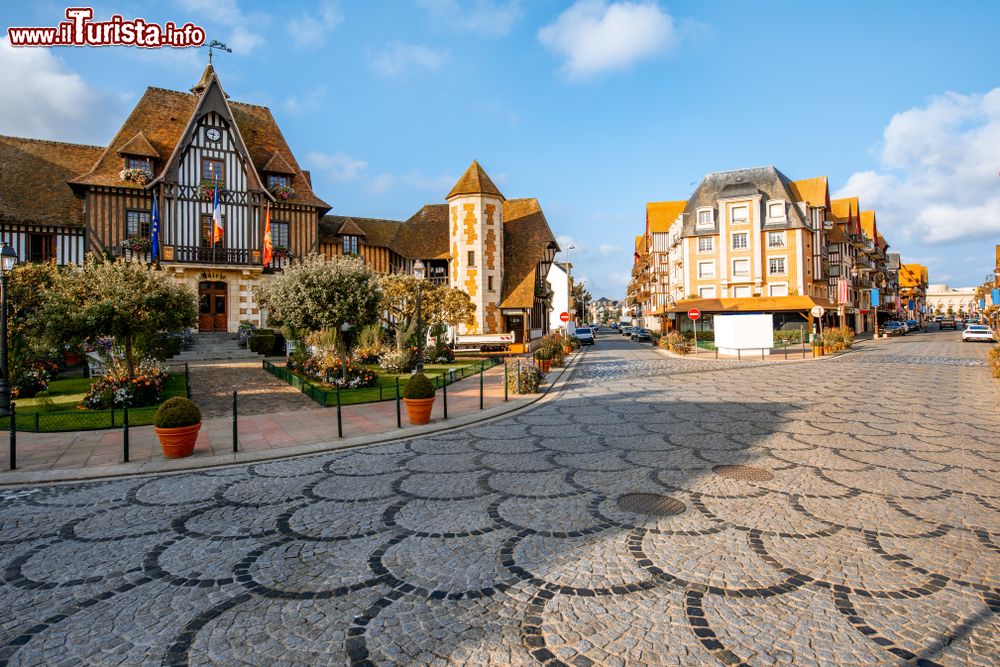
(213, 134)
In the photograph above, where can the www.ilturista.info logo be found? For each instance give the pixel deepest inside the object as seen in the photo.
(81, 30)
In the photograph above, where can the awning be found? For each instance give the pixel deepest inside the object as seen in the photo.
(756, 304)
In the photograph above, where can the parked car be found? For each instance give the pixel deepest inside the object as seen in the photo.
(894, 328)
(978, 332)
(614, 325)
(586, 335)
(913, 325)
(938, 318)
(626, 331)
(949, 323)
(641, 335)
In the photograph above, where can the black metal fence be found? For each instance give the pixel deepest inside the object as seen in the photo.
(84, 419)
(329, 396)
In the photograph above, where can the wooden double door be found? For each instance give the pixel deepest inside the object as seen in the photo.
(212, 297)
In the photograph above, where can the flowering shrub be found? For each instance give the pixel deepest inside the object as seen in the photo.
(839, 338)
(994, 359)
(329, 370)
(280, 252)
(523, 378)
(367, 355)
(676, 343)
(438, 354)
(283, 192)
(245, 331)
(137, 176)
(207, 190)
(397, 361)
(554, 345)
(115, 389)
(29, 382)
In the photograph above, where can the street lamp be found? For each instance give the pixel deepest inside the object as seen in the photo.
(419, 272)
(8, 258)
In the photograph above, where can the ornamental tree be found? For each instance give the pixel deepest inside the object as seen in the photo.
(321, 294)
(127, 301)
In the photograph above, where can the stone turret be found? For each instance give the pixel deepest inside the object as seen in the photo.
(475, 216)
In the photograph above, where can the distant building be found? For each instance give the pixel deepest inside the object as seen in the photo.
(945, 300)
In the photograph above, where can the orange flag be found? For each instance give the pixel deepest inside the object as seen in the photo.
(268, 246)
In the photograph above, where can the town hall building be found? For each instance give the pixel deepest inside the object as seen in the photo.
(60, 202)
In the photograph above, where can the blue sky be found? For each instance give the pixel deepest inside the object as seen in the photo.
(594, 107)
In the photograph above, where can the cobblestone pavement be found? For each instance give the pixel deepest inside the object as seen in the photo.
(806, 514)
(213, 383)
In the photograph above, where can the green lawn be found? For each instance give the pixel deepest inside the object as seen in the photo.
(65, 414)
(386, 388)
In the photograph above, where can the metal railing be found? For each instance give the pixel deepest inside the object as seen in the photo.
(215, 255)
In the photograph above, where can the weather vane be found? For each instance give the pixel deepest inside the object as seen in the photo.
(216, 44)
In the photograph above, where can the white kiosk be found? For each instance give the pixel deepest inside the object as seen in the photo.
(744, 332)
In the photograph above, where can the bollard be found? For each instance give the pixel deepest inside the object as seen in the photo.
(444, 386)
(482, 372)
(505, 381)
(187, 380)
(716, 353)
(235, 443)
(739, 354)
(399, 416)
(125, 435)
(340, 421)
(13, 436)
(762, 354)
(786, 352)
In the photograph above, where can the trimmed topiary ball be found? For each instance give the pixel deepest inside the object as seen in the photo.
(177, 412)
(419, 386)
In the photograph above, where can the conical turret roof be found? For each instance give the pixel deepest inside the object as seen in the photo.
(475, 182)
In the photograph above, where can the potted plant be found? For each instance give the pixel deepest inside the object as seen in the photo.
(283, 192)
(544, 360)
(419, 398)
(176, 424)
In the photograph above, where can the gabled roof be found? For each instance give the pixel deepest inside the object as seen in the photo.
(868, 224)
(846, 210)
(139, 146)
(377, 232)
(34, 177)
(278, 165)
(473, 182)
(163, 115)
(526, 238)
(350, 228)
(813, 191)
(661, 214)
(765, 181)
(424, 235)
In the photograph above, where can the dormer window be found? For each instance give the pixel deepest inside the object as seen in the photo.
(138, 163)
(739, 214)
(706, 218)
(351, 245)
(776, 210)
(278, 180)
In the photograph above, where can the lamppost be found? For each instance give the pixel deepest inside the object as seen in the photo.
(419, 272)
(344, 328)
(8, 258)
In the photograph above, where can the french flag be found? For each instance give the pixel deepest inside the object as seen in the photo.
(216, 217)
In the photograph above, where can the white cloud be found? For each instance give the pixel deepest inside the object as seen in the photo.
(246, 30)
(938, 181)
(41, 98)
(399, 59)
(493, 18)
(338, 167)
(595, 36)
(309, 30)
(606, 249)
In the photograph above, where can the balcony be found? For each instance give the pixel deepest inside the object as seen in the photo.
(216, 255)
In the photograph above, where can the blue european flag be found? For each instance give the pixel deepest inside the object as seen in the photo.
(155, 234)
(996, 296)
(875, 300)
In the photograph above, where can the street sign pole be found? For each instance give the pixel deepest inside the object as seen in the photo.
(694, 314)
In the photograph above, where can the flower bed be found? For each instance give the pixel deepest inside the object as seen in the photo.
(330, 371)
(137, 176)
(116, 389)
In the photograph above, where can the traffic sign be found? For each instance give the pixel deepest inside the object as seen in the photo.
(817, 311)
(564, 316)
(694, 314)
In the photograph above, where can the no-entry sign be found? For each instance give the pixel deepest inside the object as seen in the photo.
(564, 316)
(694, 314)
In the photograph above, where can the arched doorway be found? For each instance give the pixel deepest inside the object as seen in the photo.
(212, 306)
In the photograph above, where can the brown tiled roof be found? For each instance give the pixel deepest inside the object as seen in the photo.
(278, 165)
(162, 115)
(473, 182)
(139, 146)
(34, 179)
(526, 236)
(377, 232)
(350, 228)
(424, 235)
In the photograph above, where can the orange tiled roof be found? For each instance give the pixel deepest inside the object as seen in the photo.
(34, 178)
(814, 191)
(868, 224)
(473, 182)
(661, 214)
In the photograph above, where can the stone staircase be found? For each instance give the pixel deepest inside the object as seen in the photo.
(214, 347)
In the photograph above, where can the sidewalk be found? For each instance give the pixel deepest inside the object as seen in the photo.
(49, 457)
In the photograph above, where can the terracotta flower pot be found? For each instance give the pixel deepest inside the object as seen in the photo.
(568, 349)
(419, 409)
(178, 442)
(545, 365)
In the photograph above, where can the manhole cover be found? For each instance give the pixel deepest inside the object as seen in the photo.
(746, 473)
(650, 503)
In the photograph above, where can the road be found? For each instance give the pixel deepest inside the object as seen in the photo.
(658, 512)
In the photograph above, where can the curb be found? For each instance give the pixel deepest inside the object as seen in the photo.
(176, 466)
